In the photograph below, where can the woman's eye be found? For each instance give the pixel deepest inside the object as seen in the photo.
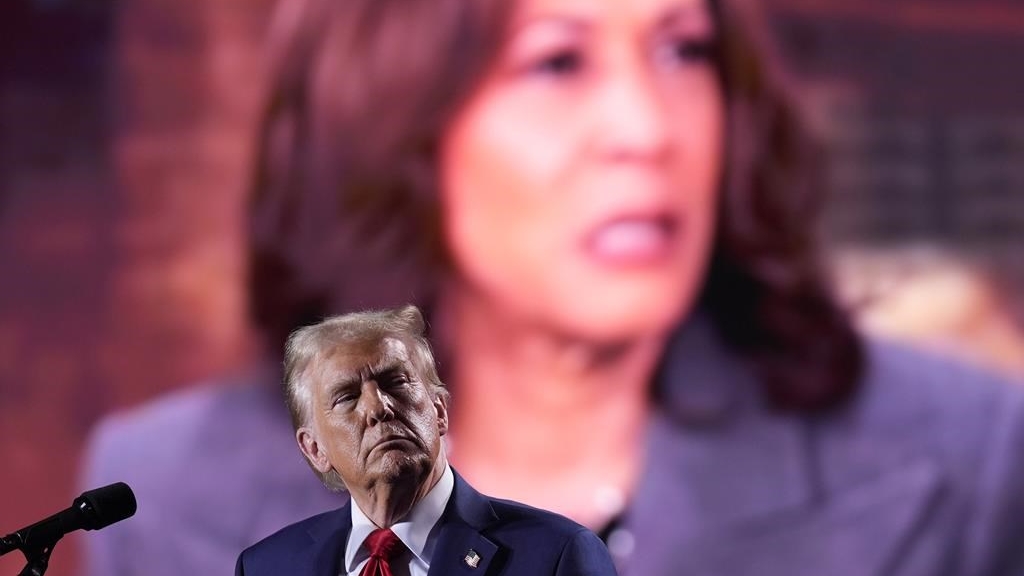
(560, 63)
(688, 51)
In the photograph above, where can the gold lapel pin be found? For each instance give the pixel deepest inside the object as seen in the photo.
(472, 559)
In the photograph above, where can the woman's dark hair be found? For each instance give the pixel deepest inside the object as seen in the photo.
(345, 213)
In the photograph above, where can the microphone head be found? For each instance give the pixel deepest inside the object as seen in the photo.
(101, 507)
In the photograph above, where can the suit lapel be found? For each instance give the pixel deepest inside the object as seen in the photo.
(329, 542)
(461, 547)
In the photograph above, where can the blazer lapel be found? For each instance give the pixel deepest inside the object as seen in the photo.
(461, 548)
(704, 485)
(731, 488)
(860, 532)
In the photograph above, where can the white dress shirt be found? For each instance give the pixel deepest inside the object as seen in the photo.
(416, 531)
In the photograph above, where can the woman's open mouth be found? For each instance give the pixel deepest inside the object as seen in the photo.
(633, 240)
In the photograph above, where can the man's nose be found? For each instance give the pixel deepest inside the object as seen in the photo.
(376, 404)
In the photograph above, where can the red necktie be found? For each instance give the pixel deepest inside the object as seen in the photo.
(384, 546)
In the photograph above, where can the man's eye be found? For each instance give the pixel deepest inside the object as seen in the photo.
(397, 380)
(344, 398)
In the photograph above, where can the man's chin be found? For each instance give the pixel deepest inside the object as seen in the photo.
(397, 466)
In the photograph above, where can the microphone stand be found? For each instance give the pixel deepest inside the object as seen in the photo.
(37, 557)
(37, 562)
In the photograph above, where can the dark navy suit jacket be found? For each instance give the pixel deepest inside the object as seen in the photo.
(511, 539)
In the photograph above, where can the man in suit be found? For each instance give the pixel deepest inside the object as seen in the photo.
(369, 412)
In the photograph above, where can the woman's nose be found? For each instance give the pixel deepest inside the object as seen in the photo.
(633, 121)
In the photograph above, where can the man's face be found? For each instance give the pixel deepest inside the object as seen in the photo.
(372, 419)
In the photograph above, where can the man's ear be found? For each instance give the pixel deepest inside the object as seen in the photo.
(441, 408)
(312, 450)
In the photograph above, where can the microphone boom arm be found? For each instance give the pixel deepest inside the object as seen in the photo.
(93, 510)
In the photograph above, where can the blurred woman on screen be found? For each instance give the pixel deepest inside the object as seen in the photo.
(607, 209)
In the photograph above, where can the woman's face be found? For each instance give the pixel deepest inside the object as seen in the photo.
(579, 180)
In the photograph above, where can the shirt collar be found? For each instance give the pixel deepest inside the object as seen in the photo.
(415, 530)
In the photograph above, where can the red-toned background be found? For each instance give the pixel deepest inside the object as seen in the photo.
(123, 143)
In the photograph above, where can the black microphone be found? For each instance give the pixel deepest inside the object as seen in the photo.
(93, 510)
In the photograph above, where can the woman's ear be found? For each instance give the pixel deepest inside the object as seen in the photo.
(312, 450)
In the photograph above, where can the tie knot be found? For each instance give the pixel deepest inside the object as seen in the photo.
(383, 544)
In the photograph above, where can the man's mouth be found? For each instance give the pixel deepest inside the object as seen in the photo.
(392, 443)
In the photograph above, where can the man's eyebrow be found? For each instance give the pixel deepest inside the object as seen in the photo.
(341, 379)
(387, 367)
(343, 383)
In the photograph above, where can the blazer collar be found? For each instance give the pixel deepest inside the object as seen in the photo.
(713, 433)
(723, 472)
(701, 382)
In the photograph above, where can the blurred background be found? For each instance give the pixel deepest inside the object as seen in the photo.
(124, 129)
